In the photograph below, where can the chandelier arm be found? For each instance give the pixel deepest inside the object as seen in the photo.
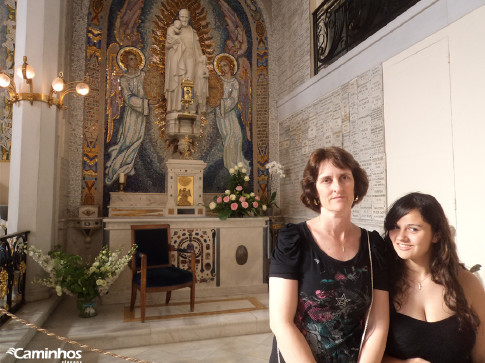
(15, 96)
(12, 91)
(68, 88)
(30, 82)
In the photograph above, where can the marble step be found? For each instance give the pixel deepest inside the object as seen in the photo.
(114, 327)
(14, 334)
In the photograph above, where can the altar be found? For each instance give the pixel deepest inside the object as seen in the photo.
(230, 254)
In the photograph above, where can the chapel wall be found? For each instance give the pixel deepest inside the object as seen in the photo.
(291, 45)
(73, 130)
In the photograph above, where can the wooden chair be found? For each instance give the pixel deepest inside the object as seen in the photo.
(151, 265)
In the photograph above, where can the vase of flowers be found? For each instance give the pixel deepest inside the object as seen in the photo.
(69, 275)
(237, 201)
(275, 171)
(87, 309)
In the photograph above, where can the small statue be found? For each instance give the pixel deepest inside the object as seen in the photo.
(183, 197)
(183, 59)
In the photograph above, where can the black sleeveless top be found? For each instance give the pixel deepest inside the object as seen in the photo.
(437, 342)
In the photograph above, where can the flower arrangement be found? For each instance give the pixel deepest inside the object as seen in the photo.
(275, 170)
(69, 275)
(236, 200)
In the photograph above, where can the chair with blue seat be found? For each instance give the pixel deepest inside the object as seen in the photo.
(151, 265)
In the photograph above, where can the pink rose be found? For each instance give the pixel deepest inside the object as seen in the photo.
(219, 200)
(255, 204)
(233, 206)
(226, 199)
(245, 204)
(257, 197)
(239, 188)
(242, 199)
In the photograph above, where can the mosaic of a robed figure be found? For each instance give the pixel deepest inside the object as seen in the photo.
(152, 47)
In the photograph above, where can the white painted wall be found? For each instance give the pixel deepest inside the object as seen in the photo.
(417, 114)
(467, 70)
(434, 107)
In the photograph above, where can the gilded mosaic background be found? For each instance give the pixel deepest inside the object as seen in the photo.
(131, 23)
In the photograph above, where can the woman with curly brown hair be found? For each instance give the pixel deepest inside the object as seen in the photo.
(326, 273)
(437, 306)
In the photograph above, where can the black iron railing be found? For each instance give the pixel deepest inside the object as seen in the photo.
(13, 265)
(340, 25)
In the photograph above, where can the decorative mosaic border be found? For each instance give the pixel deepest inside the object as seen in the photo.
(203, 242)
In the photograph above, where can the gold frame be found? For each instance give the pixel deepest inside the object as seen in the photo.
(185, 187)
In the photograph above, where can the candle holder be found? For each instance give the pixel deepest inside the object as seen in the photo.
(122, 181)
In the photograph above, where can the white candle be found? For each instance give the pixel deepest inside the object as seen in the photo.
(122, 178)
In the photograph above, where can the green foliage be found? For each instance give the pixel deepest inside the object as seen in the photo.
(271, 201)
(69, 275)
(275, 170)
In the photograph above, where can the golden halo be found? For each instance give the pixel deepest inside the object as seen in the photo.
(219, 58)
(136, 50)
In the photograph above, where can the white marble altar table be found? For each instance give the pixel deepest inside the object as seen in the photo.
(232, 262)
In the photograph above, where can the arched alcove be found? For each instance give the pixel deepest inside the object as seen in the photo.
(224, 26)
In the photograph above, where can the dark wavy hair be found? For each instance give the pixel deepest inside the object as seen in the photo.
(444, 264)
(341, 159)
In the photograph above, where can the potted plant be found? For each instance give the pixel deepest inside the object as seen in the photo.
(275, 170)
(237, 201)
(68, 274)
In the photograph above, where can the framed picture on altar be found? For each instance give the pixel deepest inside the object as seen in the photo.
(185, 187)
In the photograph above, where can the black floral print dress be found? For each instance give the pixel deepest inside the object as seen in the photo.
(334, 295)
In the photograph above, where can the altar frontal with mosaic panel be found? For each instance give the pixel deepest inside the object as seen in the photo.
(203, 242)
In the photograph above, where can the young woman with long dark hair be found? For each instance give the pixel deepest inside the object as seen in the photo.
(437, 307)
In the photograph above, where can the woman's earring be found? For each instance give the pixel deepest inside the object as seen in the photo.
(356, 198)
(316, 202)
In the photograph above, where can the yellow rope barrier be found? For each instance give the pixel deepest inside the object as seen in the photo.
(67, 340)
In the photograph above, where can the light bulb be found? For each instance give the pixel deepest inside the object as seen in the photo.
(4, 80)
(82, 88)
(29, 72)
(58, 84)
(19, 72)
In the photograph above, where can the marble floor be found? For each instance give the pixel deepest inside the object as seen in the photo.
(222, 329)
